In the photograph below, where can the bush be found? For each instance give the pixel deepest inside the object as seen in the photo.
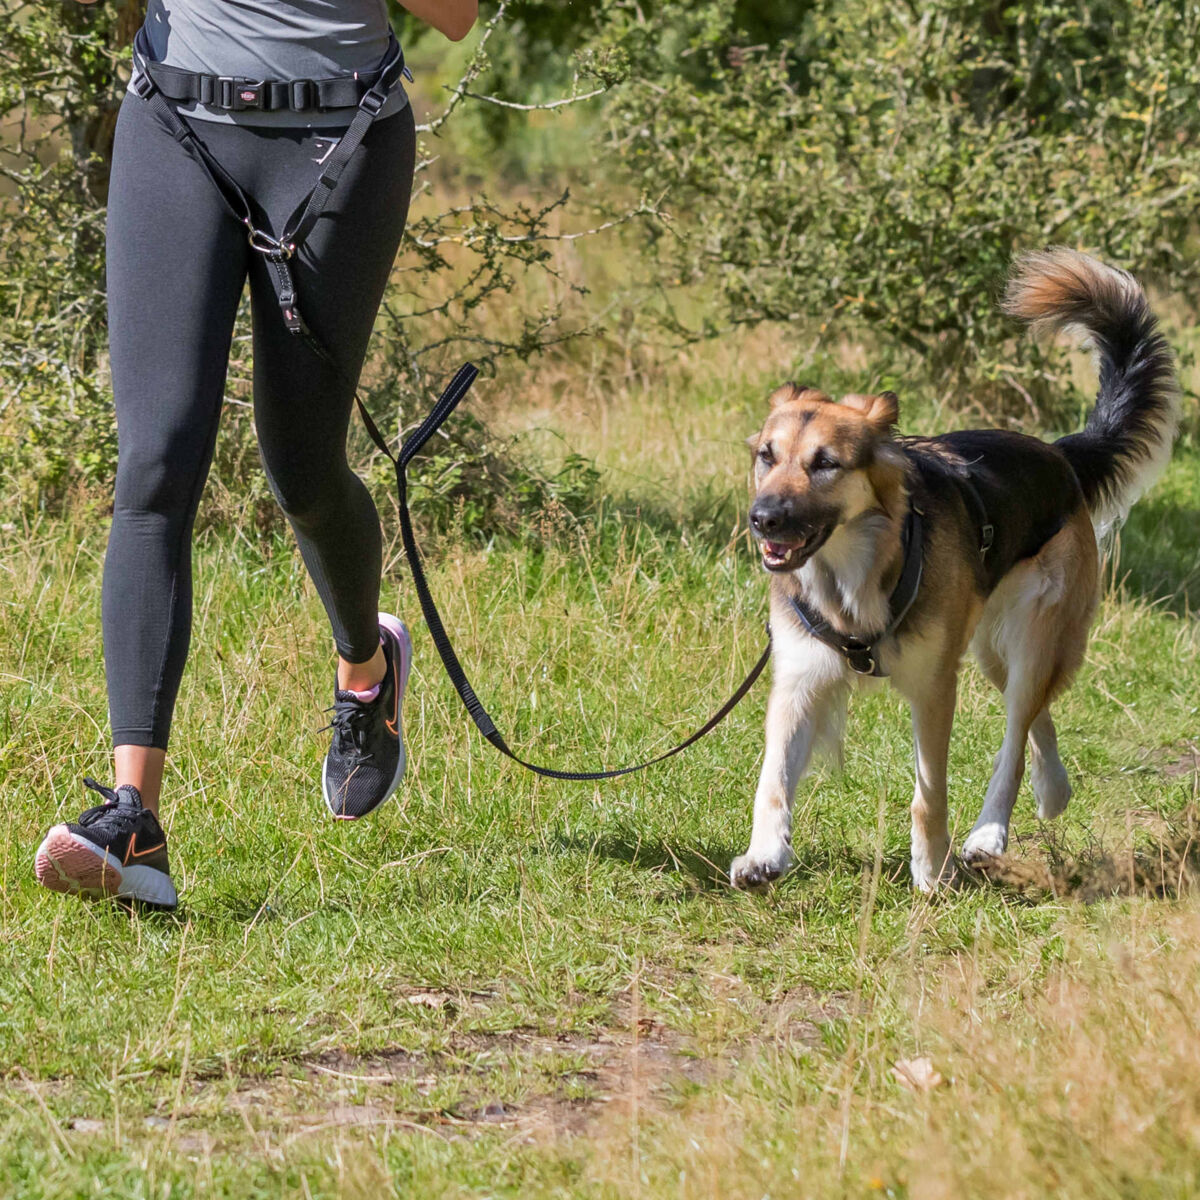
(877, 166)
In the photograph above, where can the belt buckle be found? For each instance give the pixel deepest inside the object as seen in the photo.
(237, 95)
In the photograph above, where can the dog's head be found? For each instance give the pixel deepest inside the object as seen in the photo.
(818, 464)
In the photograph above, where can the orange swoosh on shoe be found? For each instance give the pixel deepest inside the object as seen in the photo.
(132, 853)
(392, 724)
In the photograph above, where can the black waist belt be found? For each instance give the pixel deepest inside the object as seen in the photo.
(237, 94)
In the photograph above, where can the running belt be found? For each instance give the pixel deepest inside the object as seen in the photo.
(235, 93)
(277, 251)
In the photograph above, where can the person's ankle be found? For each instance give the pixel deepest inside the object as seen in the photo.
(363, 677)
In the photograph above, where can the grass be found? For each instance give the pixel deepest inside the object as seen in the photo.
(501, 986)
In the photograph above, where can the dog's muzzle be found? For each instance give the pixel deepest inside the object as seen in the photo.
(788, 538)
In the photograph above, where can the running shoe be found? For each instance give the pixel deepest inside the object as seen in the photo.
(116, 849)
(365, 763)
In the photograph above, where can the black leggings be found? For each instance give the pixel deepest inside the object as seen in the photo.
(177, 263)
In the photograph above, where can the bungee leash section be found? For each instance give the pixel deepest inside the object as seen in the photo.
(157, 86)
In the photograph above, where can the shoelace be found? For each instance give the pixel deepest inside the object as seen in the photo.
(350, 728)
(110, 808)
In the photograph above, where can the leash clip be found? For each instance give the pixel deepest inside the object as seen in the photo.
(265, 244)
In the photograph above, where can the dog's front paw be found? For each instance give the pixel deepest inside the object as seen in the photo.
(932, 867)
(752, 872)
(985, 843)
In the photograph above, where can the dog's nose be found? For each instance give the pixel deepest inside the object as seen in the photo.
(767, 515)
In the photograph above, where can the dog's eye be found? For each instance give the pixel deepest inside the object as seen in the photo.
(766, 456)
(823, 461)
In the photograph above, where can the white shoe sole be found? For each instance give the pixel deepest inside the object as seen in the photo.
(66, 862)
(399, 631)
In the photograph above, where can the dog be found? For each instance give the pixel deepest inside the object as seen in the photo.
(890, 555)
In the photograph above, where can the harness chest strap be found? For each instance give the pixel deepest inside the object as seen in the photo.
(863, 653)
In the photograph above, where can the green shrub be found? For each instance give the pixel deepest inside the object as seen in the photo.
(876, 167)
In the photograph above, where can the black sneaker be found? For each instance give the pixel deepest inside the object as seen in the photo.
(365, 764)
(116, 849)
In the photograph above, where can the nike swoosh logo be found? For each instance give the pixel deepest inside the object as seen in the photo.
(132, 853)
(394, 722)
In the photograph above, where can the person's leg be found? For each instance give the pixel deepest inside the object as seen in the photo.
(176, 267)
(303, 405)
(302, 411)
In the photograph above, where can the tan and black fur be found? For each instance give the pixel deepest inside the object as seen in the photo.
(833, 486)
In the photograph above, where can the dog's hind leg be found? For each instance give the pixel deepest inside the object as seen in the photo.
(1036, 624)
(806, 707)
(1051, 787)
(1024, 700)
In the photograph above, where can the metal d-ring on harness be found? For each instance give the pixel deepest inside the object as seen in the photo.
(156, 84)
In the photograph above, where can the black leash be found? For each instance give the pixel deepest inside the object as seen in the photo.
(455, 391)
(277, 251)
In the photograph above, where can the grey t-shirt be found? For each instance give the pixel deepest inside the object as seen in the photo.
(272, 39)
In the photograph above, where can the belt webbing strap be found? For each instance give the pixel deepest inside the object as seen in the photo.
(277, 252)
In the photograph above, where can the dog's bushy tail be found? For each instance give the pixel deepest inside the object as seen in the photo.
(1127, 440)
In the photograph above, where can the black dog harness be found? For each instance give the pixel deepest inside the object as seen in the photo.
(863, 653)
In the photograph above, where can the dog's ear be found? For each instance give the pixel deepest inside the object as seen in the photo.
(789, 392)
(882, 410)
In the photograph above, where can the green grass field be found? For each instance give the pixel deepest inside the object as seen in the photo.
(500, 986)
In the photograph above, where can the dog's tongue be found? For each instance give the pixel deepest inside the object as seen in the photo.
(778, 549)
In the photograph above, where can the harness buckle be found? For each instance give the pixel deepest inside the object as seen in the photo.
(372, 102)
(143, 85)
(237, 95)
(987, 536)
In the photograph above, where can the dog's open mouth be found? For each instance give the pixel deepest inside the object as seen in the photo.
(792, 554)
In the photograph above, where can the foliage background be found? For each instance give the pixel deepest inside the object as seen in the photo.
(858, 170)
(501, 987)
